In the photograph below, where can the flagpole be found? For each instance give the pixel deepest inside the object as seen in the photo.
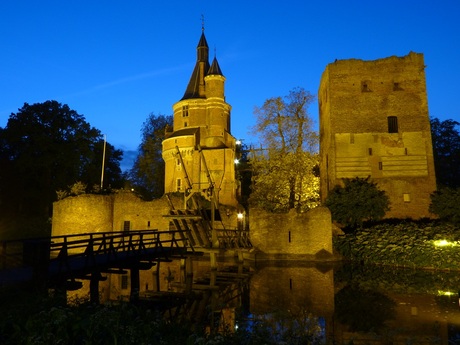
(103, 162)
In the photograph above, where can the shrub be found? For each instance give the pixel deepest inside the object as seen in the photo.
(445, 203)
(357, 201)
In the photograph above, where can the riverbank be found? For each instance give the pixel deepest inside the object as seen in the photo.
(413, 244)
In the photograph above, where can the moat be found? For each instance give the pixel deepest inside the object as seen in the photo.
(338, 303)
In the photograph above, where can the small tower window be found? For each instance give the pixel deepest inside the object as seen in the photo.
(185, 124)
(392, 124)
(397, 86)
(126, 225)
(185, 111)
(365, 86)
(178, 184)
(369, 150)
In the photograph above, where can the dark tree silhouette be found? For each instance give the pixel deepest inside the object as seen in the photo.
(46, 147)
(147, 173)
(446, 152)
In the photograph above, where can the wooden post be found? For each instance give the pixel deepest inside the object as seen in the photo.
(94, 287)
(188, 274)
(135, 284)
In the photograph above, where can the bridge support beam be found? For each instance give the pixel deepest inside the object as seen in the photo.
(135, 284)
(94, 287)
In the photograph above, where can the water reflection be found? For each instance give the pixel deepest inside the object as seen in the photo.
(332, 304)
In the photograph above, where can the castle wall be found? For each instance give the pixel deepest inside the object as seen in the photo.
(358, 139)
(81, 214)
(90, 213)
(307, 235)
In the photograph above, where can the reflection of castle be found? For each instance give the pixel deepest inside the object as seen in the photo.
(199, 150)
(374, 122)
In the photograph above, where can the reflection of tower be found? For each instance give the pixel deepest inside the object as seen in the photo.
(199, 152)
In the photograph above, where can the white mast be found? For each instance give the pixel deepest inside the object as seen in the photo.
(103, 162)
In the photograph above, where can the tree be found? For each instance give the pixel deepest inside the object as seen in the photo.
(284, 170)
(147, 173)
(446, 152)
(445, 203)
(358, 200)
(46, 147)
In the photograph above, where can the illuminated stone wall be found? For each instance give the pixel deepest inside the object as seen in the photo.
(89, 213)
(357, 138)
(307, 235)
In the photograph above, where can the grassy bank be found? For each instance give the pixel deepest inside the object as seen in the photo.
(422, 244)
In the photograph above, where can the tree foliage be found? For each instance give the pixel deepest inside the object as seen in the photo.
(46, 147)
(446, 152)
(357, 201)
(284, 169)
(147, 173)
(445, 203)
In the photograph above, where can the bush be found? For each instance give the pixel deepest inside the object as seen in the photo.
(357, 201)
(445, 203)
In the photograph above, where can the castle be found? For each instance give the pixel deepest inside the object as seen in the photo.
(199, 151)
(374, 122)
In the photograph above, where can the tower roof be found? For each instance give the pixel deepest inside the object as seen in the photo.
(200, 70)
(215, 68)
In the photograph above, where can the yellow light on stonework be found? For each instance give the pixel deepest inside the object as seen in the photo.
(446, 293)
(444, 243)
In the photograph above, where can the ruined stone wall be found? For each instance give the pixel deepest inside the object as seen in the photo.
(356, 99)
(141, 215)
(81, 214)
(89, 213)
(307, 235)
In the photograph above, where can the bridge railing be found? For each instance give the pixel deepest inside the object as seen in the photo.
(26, 252)
(113, 242)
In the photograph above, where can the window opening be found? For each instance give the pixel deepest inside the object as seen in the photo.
(370, 151)
(392, 124)
(178, 184)
(365, 86)
(185, 111)
(126, 225)
(124, 282)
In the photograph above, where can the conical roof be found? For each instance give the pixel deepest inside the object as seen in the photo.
(200, 70)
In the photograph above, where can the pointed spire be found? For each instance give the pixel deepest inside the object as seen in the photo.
(199, 72)
(215, 68)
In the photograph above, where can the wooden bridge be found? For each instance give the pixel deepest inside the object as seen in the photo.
(60, 261)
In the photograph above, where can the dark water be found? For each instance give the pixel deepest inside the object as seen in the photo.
(339, 304)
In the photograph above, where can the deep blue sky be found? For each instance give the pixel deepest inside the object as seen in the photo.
(117, 61)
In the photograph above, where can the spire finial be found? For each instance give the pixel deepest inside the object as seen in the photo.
(202, 23)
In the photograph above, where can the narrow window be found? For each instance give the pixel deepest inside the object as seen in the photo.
(289, 237)
(126, 225)
(178, 161)
(185, 124)
(365, 86)
(148, 223)
(392, 124)
(178, 185)
(406, 197)
(397, 86)
(185, 111)
(370, 151)
(124, 282)
(380, 166)
(405, 151)
(290, 283)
